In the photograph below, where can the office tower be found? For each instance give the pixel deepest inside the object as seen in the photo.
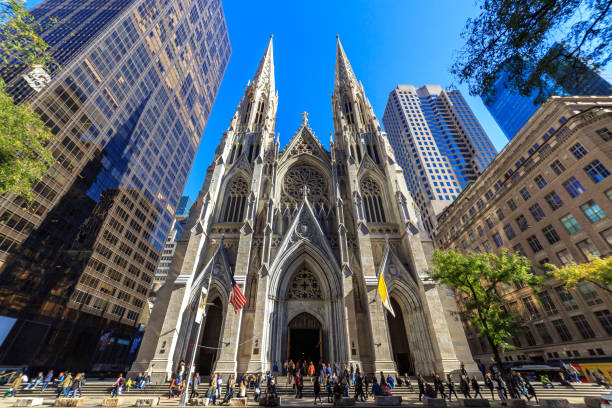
(512, 110)
(176, 229)
(301, 231)
(438, 142)
(183, 206)
(137, 81)
(547, 195)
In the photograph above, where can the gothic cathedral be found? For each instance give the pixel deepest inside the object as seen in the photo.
(306, 233)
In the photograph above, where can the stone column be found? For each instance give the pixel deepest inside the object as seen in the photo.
(226, 364)
(257, 362)
(350, 317)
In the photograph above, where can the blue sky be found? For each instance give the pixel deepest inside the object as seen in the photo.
(388, 43)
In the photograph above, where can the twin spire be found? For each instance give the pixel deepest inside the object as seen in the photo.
(265, 72)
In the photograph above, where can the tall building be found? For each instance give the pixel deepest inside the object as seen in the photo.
(183, 206)
(176, 229)
(547, 195)
(512, 110)
(305, 233)
(128, 106)
(438, 142)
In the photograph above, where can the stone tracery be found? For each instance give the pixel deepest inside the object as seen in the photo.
(303, 175)
(304, 286)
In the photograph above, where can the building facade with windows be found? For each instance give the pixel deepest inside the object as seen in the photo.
(511, 110)
(128, 107)
(304, 232)
(438, 142)
(547, 195)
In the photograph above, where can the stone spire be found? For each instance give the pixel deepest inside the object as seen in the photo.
(344, 73)
(265, 72)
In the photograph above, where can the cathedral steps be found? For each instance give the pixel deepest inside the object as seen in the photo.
(98, 390)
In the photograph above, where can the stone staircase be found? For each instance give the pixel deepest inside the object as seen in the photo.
(97, 390)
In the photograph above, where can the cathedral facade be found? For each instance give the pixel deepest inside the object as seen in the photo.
(305, 232)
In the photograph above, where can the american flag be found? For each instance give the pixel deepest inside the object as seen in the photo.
(236, 298)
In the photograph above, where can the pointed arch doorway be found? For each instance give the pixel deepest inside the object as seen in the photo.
(210, 338)
(305, 338)
(404, 362)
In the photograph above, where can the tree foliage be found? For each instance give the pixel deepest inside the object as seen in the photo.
(24, 142)
(516, 37)
(597, 271)
(478, 278)
(21, 44)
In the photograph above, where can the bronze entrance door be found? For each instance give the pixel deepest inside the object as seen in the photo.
(305, 338)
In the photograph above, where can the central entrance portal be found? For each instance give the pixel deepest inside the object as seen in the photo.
(305, 338)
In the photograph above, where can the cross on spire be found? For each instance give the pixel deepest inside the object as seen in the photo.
(304, 117)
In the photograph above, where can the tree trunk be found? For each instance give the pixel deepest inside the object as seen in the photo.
(496, 356)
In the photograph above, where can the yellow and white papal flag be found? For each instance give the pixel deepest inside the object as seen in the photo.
(384, 296)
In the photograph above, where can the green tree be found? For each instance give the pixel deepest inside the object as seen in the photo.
(24, 143)
(478, 277)
(597, 271)
(517, 37)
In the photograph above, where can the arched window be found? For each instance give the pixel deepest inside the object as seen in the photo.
(235, 200)
(372, 200)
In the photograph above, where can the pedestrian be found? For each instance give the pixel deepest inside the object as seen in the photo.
(352, 373)
(317, 391)
(451, 387)
(408, 382)
(375, 388)
(476, 387)
(488, 379)
(116, 387)
(421, 385)
(440, 384)
(311, 371)
(229, 394)
(359, 388)
(531, 390)
(64, 386)
(366, 382)
(546, 383)
(219, 385)
(48, 379)
(147, 374)
(465, 387)
(500, 384)
(195, 384)
(329, 387)
(180, 371)
(275, 370)
(14, 386)
(35, 381)
(299, 385)
(257, 390)
(211, 394)
(463, 370)
(243, 386)
(77, 385)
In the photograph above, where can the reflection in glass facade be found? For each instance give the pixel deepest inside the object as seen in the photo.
(129, 107)
(511, 110)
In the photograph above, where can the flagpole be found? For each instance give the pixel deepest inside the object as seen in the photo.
(194, 350)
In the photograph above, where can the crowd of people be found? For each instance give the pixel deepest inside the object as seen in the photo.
(64, 384)
(331, 380)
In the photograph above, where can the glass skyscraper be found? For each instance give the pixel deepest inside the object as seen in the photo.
(438, 142)
(511, 110)
(129, 105)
